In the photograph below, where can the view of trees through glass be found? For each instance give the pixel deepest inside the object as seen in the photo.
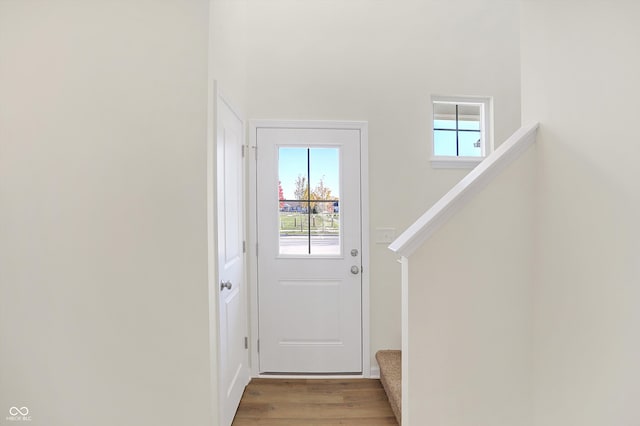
(309, 200)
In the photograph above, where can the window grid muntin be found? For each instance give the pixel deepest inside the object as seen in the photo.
(484, 109)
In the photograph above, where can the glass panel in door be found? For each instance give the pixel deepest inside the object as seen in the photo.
(309, 201)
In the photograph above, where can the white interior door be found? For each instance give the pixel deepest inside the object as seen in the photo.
(233, 354)
(309, 250)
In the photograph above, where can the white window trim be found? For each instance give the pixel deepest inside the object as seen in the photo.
(453, 162)
(445, 162)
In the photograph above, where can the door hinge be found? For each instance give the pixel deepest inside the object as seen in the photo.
(256, 249)
(258, 345)
(246, 342)
(242, 151)
(244, 246)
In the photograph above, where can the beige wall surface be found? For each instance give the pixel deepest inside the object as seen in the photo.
(380, 61)
(580, 79)
(103, 277)
(470, 310)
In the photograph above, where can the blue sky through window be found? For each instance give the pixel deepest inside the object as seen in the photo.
(444, 141)
(324, 164)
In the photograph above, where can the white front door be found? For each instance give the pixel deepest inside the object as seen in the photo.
(309, 250)
(233, 355)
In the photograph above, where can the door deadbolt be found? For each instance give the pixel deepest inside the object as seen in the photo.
(354, 252)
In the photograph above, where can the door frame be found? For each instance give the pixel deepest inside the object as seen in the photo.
(252, 264)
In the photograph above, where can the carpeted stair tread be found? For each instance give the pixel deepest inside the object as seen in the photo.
(390, 362)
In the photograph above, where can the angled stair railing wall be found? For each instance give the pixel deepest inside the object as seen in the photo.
(463, 191)
(415, 237)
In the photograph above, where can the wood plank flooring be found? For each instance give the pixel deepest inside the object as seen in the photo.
(314, 402)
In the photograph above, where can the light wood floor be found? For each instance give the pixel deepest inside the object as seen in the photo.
(316, 402)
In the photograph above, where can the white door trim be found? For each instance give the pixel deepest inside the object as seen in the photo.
(362, 126)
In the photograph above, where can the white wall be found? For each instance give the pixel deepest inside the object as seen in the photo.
(580, 79)
(470, 310)
(103, 251)
(228, 49)
(380, 61)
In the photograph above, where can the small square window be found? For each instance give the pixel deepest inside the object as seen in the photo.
(461, 133)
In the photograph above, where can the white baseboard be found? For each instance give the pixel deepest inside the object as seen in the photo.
(375, 372)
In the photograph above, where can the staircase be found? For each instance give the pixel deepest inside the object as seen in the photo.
(499, 257)
(390, 376)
